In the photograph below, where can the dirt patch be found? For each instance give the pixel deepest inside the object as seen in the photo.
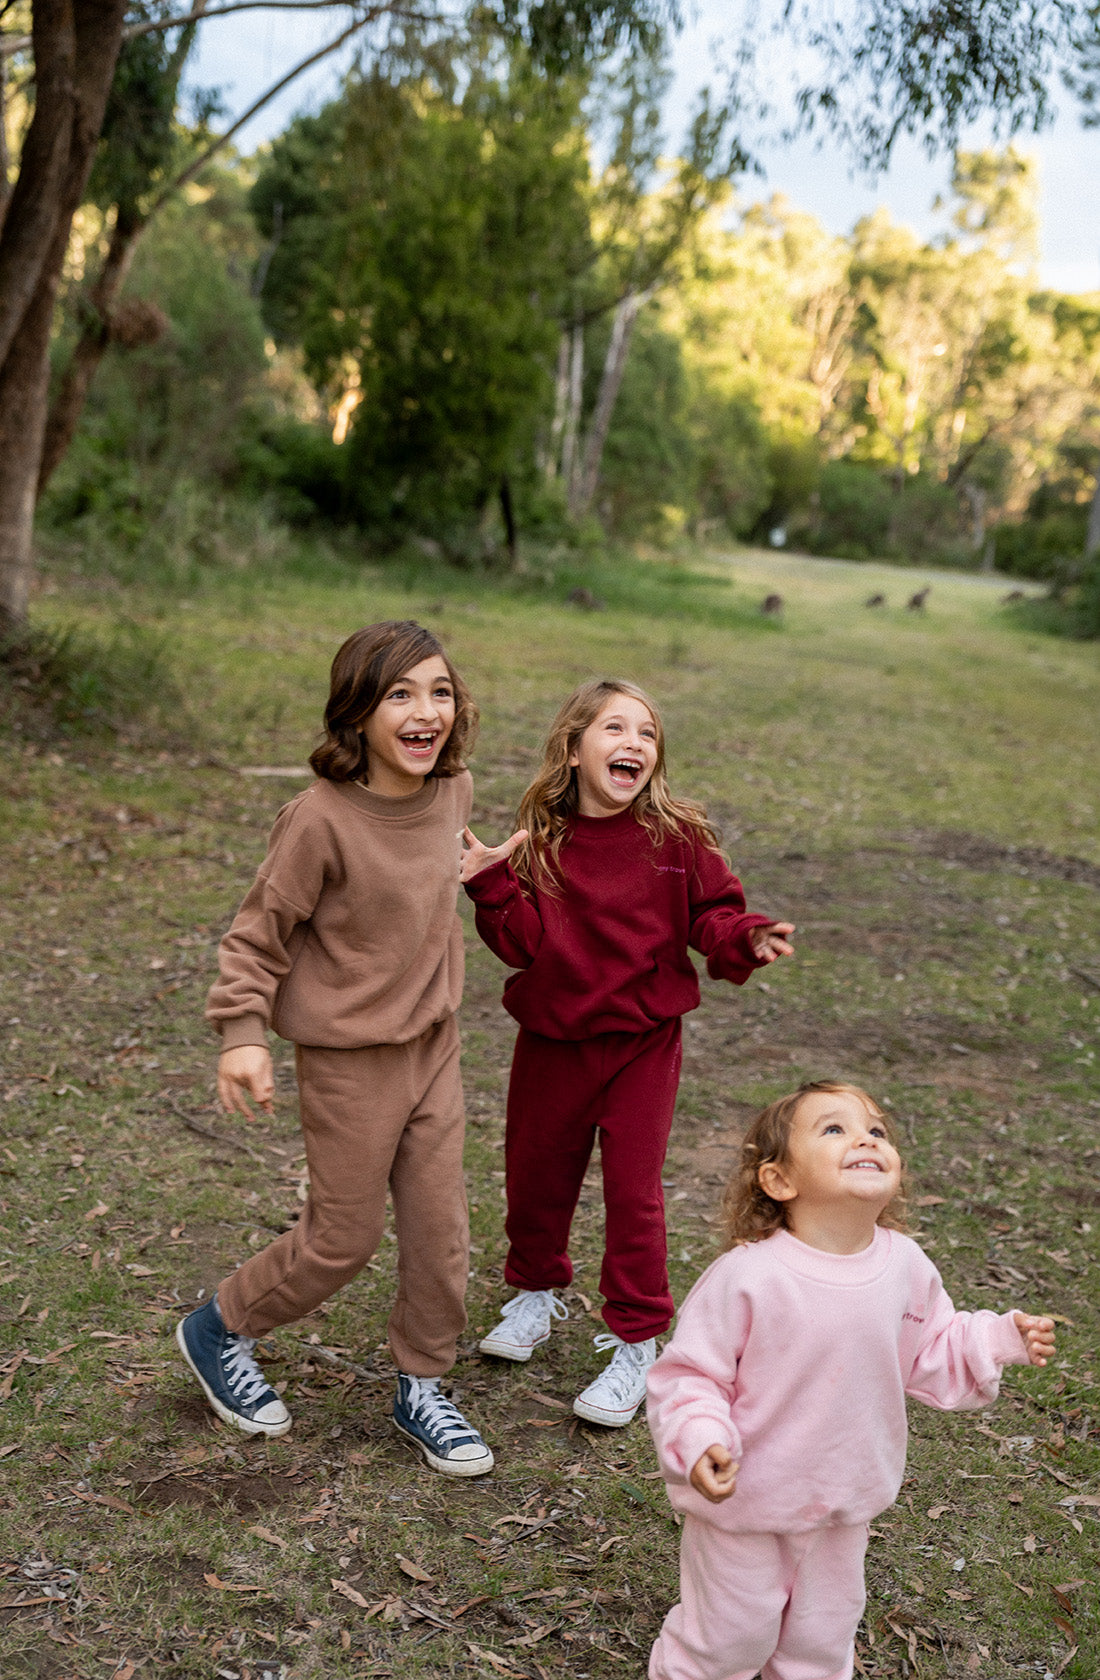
(247, 1494)
(975, 851)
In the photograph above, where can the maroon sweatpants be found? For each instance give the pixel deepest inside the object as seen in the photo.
(562, 1094)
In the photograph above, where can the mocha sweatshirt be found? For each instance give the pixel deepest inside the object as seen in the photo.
(608, 952)
(798, 1362)
(349, 934)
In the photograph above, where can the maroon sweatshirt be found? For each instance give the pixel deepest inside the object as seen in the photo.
(609, 953)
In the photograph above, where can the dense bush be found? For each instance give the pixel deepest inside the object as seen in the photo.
(860, 514)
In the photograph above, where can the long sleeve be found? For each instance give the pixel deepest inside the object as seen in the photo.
(505, 917)
(692, 1385)
(258, 950)
(960, 1355)
(720, 924)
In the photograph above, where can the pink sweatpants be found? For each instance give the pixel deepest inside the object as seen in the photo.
(785, 1606)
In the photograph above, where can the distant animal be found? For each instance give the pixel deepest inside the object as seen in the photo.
(1013, 595)
(875, 601)
(582, 597)
(772, 604)
(916, 602)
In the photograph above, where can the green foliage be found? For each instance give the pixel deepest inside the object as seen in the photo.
(427, 239)
(1047, 546)
(181, 406)
(647, 461)
(862, 514)
(77, 681)
(139, 134)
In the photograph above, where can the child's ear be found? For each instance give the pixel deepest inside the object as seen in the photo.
(775, 1183)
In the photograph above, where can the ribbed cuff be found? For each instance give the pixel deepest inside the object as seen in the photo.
(240, 1030)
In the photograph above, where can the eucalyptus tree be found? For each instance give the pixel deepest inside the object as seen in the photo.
(64, 55)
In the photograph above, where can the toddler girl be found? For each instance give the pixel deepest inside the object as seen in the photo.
(348, 944)
(778, 1407)
(614, 879)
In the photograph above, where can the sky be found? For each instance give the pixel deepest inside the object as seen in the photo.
(244, 53)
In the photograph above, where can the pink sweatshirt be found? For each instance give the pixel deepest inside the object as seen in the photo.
(799, 1362)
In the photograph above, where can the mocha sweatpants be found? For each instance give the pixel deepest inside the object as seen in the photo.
(563, 1094)
(784, 1606)
(389, 1114)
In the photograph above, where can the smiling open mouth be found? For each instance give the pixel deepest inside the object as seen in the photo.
(420, 743)
(865, 1166)
(623, 773)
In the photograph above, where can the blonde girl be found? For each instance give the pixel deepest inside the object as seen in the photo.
(595, 901)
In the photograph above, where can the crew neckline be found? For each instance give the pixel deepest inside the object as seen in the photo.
(820, 1263)
(383, 806)
(605, 825)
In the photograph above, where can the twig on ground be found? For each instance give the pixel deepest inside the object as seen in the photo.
(194, 1125)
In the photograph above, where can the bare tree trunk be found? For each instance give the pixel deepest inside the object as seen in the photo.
(573, 412)
(622, 329)
(1092, 534)
(91, 346)
(5, 156)
(552, 463)
(508, 514)
(76, 46)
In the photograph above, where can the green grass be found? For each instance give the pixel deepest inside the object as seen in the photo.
(919, 792)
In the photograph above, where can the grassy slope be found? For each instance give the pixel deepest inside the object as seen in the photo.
(907, 787)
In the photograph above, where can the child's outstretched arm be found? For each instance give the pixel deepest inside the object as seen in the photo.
(715, 1474)
(246, 1068)
(1038, 1334)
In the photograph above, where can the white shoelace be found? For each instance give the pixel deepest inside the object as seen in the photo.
(435, 1410)
(529, 1309)
(628, 1362)
(245, 1379)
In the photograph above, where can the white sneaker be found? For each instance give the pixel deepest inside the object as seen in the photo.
(524, 1324)
(619, 1389)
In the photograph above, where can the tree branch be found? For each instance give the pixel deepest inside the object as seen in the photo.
(198, 164)
(20, 43)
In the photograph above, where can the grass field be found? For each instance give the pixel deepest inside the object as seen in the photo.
(919, 792)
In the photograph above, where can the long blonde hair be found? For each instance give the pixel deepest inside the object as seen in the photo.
(553, 798)
(749, 1212)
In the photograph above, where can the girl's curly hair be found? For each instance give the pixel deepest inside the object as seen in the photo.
(749, 1214)
(553, 798)
(365, 667)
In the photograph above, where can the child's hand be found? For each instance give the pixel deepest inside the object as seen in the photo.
(1038, 1334)
(715, 1475)
(770, 942)
(477, 857)
(247, 1068)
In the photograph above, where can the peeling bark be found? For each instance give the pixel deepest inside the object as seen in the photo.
(76, 45)
(1092, 535)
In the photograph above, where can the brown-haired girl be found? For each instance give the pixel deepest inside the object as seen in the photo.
(778, 1407)
(596, 900)
(348, 944)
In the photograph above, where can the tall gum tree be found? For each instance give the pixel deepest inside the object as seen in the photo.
(71, 51)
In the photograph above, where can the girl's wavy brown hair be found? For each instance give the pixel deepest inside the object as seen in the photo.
(365, 668)
(749, 1214)
(552, 798)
